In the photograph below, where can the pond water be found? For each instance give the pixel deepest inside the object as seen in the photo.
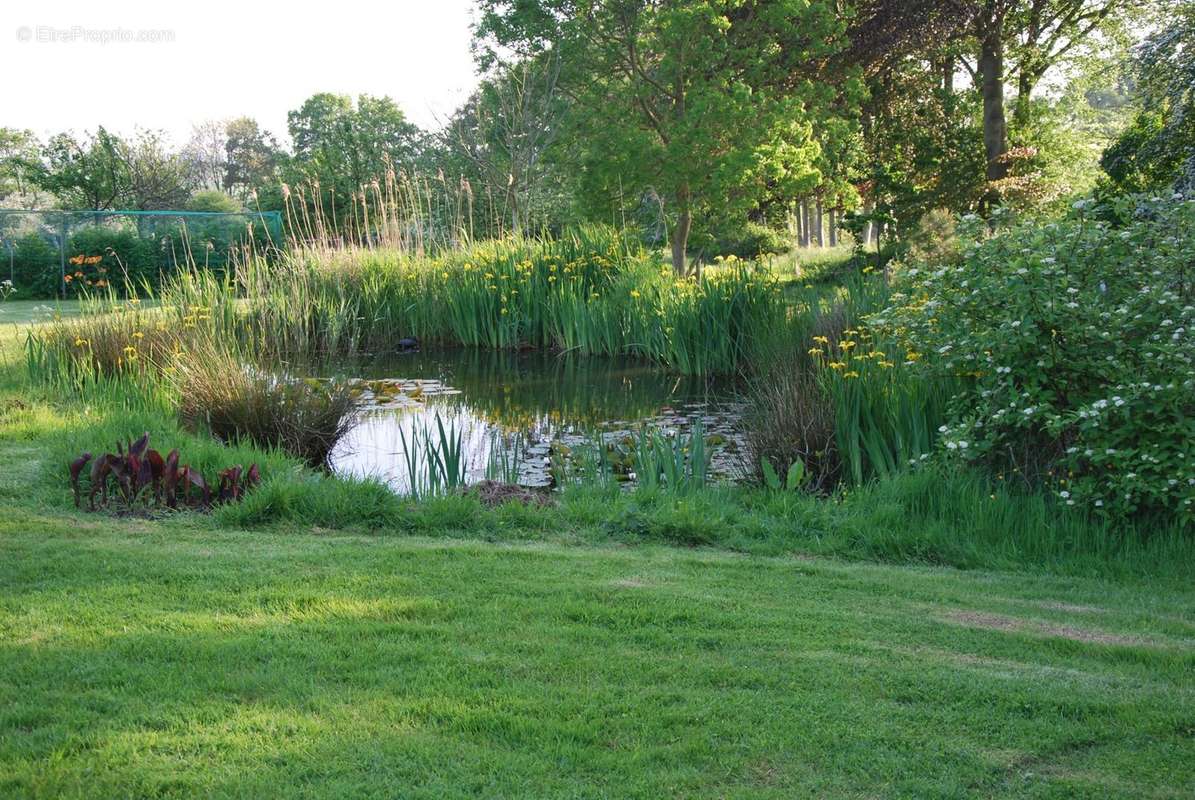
(518, 413)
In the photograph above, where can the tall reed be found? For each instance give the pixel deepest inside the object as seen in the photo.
(434, 458)
(590, 291)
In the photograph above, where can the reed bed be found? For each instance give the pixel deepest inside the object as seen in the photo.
(591, 291)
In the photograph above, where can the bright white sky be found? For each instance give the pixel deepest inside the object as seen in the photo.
(227, 59)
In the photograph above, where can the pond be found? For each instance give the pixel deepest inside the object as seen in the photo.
(520, 413)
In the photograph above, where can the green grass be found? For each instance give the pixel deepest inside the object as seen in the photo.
(815, 266)
(169, 659)
(24, 312)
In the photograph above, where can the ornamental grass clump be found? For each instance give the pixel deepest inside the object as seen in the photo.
(790, 420)
(221, 391)
(1074, 346)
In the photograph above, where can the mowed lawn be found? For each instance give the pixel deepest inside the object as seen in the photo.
(168, 659)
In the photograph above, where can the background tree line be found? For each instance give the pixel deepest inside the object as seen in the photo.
(711, 126)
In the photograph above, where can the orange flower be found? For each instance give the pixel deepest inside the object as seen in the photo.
(67, 278)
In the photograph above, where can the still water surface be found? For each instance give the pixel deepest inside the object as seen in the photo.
(526, 408)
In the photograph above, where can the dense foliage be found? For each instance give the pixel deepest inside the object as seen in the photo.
(1076, 343)
(1157, 151)
(706, 106)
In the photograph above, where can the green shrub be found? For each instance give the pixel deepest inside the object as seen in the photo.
(123, 256)
(752, 240)
(934, 241)
(1076, 341)
(36, 267)
(211, 200)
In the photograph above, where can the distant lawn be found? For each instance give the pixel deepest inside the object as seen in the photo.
(142, 659)
(24, 312)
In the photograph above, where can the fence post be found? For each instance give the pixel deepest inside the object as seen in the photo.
(62, 254)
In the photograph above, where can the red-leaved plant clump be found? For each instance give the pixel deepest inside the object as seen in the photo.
(135, 473)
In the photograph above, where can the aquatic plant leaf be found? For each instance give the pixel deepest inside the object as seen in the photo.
(145, 477)
(120, 468)
(77, 467)
(230, 485)
(156, 463)
(135, 467)
(138, 447)
(192, 478)
(796, 475)
(100, 469)
(170, 478)
(769, 475)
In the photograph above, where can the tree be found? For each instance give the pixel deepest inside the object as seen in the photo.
(343, 147)
(998, 42)
(251, 160)
(84, 173)
(20, 160)
(1158, 149)
(206, 154)
(923, 147)
(707, 104)
(500, 140)
(157, 179)
(213, 201)
(1024, 39)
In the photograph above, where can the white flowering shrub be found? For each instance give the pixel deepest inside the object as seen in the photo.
(1076, 344)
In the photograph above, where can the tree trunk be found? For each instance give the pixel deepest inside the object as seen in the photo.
(869, 208)
(834, 227)
(680, 234)
(820, 226)
(991, 77)
(803, 222)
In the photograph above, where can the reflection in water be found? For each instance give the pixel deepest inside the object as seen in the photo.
(505, 403)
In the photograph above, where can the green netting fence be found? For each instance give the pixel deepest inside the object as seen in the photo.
(63, 253)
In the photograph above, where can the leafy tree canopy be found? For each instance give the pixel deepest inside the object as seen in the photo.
(707, 105)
